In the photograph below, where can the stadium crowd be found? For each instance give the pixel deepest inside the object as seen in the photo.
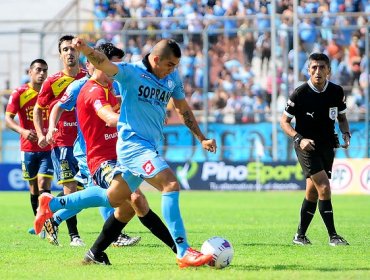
(239, 79)
(240, 83)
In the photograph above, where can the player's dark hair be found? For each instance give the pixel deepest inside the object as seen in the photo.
(38, 60)
(319, 56)
(110, 50)
(175, 48)
(64, 38)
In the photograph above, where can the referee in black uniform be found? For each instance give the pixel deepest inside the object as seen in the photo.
(316, 105)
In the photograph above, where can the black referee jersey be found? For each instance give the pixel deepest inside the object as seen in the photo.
(316, 111)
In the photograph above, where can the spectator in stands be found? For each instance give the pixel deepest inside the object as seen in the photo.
(218, 103)
(263, 46)
(308, 34)
(247, 41)
(211, 23)
(111, 25)
(260, 108)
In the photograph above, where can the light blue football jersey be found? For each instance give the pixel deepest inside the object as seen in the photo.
(144, 101)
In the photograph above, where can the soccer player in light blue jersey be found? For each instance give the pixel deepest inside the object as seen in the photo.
(147, 86)
(145, 214)
(67, 103)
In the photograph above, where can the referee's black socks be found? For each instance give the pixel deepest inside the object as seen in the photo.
(326, 212)
(307, 212)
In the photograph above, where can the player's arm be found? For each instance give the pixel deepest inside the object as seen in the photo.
(344, 128)
(285, 123)
(37, 122)
(54, 118)
(304, 143)
(183, 109)
(107, 114)
(13, 125)
(98, 59)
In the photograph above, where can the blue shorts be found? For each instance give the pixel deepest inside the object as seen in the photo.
(83, 176)
(138, 160)
(36, 164)
(105, 173)
(65, 164)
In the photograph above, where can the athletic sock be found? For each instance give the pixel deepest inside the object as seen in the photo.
(326, 212)
(72, 227)
(158, 228)
(110, 232)
(45, 191)
(34, 202)
(172, 216)
(89, 197)
(308, 210)
(64, 214)
(105, 212)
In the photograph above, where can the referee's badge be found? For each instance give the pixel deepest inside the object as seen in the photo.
(333, 113)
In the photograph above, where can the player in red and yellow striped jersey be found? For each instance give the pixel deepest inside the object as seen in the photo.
(52, 90)
(37, 167)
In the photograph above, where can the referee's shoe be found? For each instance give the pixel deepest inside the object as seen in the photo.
(337, 240)
(301, 239)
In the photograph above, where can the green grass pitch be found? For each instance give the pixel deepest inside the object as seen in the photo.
(260, 226)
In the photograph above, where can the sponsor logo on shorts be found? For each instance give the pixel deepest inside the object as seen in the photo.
(148, 167)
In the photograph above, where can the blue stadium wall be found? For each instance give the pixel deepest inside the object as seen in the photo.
(243, 160)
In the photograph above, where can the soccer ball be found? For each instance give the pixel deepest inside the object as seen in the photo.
(221, 249)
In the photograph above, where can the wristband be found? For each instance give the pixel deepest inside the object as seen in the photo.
(297, 139)
(348, 133)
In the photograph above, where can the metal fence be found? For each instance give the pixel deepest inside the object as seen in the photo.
(39, 39)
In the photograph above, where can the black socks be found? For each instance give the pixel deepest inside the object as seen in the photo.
(307, 212)
(326, 212)
(110, 232)
(158, 228)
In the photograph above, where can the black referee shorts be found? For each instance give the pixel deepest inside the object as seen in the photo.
(313, 162)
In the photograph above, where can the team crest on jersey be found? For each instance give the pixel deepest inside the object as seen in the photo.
(170, 83)
(148, 167)
(97, 104)
(333, 113)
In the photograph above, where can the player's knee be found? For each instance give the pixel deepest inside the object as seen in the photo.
(140, 204)
(124, 212)
(70, 187)
(324, 192)
(171, 187)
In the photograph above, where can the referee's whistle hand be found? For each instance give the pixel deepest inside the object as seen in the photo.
(307, 144)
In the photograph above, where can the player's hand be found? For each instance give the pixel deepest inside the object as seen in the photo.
(49, 136)
(347, 140)
(307, 144)
(29, 135)
(79, 44)
(209, 145)
(42, 142)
